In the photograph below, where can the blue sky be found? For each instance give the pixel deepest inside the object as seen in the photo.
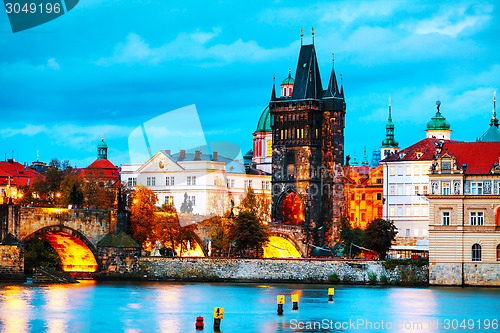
(108, 66)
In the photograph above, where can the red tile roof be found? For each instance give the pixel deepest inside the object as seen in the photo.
(101, 168)
(479, 156)
(426, 146)
(22, 175)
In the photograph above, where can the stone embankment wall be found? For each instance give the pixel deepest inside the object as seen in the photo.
(473, 274)
(280, 270)
(12, 262)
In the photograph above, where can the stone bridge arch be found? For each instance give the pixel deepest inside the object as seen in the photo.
(76, 251)
(294, 234)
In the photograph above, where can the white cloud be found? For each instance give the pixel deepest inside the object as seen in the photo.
(69, 135)
(191, 46)
(52, 63)
(454, 19)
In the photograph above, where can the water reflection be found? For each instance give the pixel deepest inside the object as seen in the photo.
(15, 309)
(173, 307)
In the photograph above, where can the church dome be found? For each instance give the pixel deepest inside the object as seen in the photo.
(438, 122)
(288, 80)
(264, 124)
(102, 144)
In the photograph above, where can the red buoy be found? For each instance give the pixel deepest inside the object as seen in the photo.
(199, 323)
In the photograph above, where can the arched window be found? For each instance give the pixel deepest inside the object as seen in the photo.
(476, 252)
(498, 252)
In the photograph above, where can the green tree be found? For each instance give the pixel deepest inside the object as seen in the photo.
(249, 233)
(38, 252)
(71, 190)
(142, 215)
(349, 236)
(380, 234)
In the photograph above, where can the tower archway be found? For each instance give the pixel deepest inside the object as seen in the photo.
(291, 209)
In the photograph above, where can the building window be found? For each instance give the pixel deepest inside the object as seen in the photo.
(446, 188)
(476, 188)
(476, 252)
(424, 170)
(408, 170)
(446, 218)
(392, 171)
(250, 183)
(363, 197)
(169, 200)
(417, 171)
(391, 211)
(392, 190)
(379, 196)
(416, 189)
(400, 171)
(132, 181)
(167, 181)
(416, 210)
(408, 232)
(148, 181)
(153, 181)
(191, 180)
(476, 218)
(408, 210)
(408, 189)
(425, 210)
(269, 150)
(193, 200)
(498, 252)
(425, 190)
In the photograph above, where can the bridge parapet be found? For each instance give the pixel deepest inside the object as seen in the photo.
(294, 233)
(93, 224)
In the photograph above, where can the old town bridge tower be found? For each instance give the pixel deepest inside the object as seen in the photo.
(308, 152)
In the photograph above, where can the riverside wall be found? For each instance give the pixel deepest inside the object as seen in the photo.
(280, 270)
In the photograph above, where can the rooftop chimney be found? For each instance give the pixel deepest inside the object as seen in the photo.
(167, 152)
(214, 156)
(182, 155)
(197, 155)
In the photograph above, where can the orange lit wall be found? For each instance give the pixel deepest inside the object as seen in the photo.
(364, 193)
(75, 255)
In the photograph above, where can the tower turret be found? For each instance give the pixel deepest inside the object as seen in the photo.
(389, 144)
(102, 149)
(438, 127)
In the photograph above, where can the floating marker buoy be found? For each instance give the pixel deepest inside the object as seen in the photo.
(199, 323)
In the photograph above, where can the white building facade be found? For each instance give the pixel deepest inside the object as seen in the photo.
(205, 179)
(406, 182)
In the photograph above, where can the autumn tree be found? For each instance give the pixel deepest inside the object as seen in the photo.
(260, 204)
(98, 194)
(248, 232)
(142, 215)
(219, 230)
(380, 234)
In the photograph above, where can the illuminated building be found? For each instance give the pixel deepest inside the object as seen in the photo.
(363, 193)
(13, 175)
(308, 151)
(204, 178)
(464, 214)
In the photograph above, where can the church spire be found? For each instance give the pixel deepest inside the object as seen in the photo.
(273, 94)
(333, 89)
(494, 120)
(389, 131)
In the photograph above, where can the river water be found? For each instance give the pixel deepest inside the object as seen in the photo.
(173, 307)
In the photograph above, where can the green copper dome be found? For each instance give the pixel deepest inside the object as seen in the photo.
(438, 122)
(102, 144)
(288, 80)
(265, 121)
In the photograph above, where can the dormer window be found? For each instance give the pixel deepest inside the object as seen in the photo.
(419, 154)
(401, 156)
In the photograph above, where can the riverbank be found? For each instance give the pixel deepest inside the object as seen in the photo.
(280, 271)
